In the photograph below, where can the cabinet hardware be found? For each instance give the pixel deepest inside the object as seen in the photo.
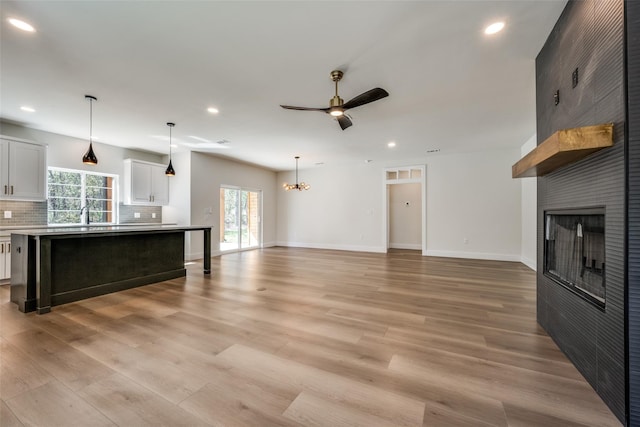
(1, 248)
(8, 247)
(5, 189)
(12, 189)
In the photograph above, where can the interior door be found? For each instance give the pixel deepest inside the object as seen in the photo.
(239, 219)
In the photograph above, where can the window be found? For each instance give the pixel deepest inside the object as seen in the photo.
(79, 197)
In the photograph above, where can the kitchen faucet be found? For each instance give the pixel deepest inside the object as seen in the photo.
(86, 207)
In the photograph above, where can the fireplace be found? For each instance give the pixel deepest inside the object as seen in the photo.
(574, 252)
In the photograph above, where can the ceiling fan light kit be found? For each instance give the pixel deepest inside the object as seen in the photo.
(337, 106)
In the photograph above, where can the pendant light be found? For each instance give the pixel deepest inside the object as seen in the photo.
(301, 186)
(89, 157)
(170, 171)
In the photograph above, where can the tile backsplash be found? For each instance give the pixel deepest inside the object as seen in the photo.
(35, 213)
(128, 214)
(23, 213)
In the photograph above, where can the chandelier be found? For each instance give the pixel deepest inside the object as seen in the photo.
(297, 186)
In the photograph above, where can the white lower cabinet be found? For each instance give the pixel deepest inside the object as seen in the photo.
(5, 258)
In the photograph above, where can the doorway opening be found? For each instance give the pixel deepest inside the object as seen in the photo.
(240, 213)
(405, 210)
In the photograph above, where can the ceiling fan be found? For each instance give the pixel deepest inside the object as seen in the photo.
(337, 106)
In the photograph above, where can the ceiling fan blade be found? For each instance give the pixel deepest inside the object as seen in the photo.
(344, 122)
(367, 97)
(291, 107)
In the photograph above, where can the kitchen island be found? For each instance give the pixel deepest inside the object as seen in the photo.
(53, 266)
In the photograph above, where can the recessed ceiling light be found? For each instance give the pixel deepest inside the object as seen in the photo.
(213, 110)
(433, 150)
(21, 24)
(28, 109)
(496, 27)
(391, 144)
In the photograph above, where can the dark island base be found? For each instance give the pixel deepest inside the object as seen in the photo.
(62, 269)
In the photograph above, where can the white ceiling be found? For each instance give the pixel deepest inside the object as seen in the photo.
(150, 62)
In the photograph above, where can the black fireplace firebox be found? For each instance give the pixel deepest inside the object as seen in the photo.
(574, 252)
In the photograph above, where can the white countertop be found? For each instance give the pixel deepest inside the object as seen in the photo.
(105, 229)
(7, 230)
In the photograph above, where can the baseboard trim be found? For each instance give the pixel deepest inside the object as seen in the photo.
(475, 255)
(352, 248)
(381, 249)
(412, 246)
(531, 263)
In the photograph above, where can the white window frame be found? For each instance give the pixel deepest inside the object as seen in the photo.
(83, 175)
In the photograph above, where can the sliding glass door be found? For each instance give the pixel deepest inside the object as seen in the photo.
(240, 212)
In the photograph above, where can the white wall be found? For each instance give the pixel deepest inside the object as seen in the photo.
(208, 173)
(469, 196)
(473, 205)
(178, 211)
(340, 211)
(529, 211)
(66, 152)
(405, 216)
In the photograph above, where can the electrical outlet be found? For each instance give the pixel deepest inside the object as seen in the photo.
(136, 214)
(7, 214)
(153, 215)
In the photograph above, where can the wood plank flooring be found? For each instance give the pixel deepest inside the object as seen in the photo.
(290, 337)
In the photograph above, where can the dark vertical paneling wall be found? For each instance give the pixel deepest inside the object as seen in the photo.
(589, 36)
(633, 206)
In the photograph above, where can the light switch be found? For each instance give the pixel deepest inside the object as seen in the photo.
(153, 215)
(7, 214)
(136, 214)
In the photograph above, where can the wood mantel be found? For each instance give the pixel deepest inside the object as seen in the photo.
(562, 148)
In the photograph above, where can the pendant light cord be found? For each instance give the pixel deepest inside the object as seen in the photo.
(90, 120)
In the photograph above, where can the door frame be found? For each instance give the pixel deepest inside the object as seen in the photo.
(260, 212)
(404, 175)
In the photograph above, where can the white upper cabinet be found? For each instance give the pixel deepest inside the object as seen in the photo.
(145, 183)
(159, 184)
(23, 170)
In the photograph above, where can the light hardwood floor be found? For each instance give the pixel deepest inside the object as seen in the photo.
(288, 337)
